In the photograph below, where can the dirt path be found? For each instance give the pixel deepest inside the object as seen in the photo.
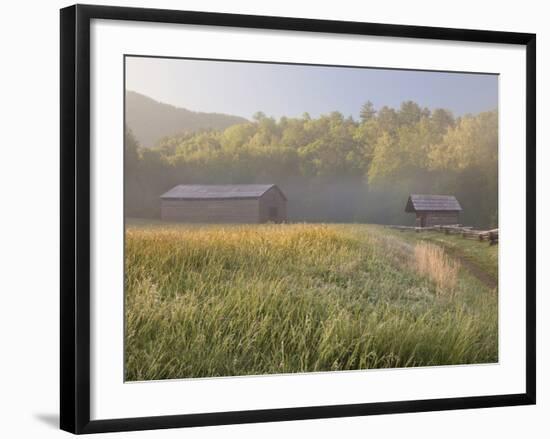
(481, 275)
(485, 278)
(475, 270)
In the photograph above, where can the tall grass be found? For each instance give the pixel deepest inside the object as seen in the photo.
(432, 261)
(239, 300)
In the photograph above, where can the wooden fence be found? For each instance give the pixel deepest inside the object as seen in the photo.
(457, 229)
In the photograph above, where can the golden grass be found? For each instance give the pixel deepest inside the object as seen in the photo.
(203, 301)
(431, 261)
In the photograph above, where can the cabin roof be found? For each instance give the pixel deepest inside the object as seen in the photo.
(218, 191)
(423, 203)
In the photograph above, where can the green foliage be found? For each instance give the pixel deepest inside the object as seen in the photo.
(239, 300)
(333, 168)
(367, 111)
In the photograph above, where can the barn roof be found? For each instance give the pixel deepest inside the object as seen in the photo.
(422, 203)
(217, 191)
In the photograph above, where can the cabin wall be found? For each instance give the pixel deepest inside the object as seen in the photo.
(272, 207)
(211, 211)
(428, 219)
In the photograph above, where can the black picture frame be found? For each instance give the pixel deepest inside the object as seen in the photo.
(75, 217)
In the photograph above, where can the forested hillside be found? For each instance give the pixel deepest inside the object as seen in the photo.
(332, 168)
(151, 120)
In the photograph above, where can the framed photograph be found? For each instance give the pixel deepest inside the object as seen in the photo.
(268, 219)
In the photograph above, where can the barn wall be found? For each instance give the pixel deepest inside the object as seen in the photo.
(437, 218)
(211, 211)
(272, 199)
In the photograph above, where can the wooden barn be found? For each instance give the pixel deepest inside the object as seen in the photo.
(229, 203)
(433, 210)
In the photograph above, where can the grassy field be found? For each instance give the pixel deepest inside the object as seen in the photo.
(204, 301)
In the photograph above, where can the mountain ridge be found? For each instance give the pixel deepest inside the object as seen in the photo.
(151, 120)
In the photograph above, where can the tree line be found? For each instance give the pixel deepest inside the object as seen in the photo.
(332, 168)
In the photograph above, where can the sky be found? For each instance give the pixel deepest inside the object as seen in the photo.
(243, 88)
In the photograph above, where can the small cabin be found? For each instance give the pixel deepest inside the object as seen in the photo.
(434, 210)
(228, 203)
